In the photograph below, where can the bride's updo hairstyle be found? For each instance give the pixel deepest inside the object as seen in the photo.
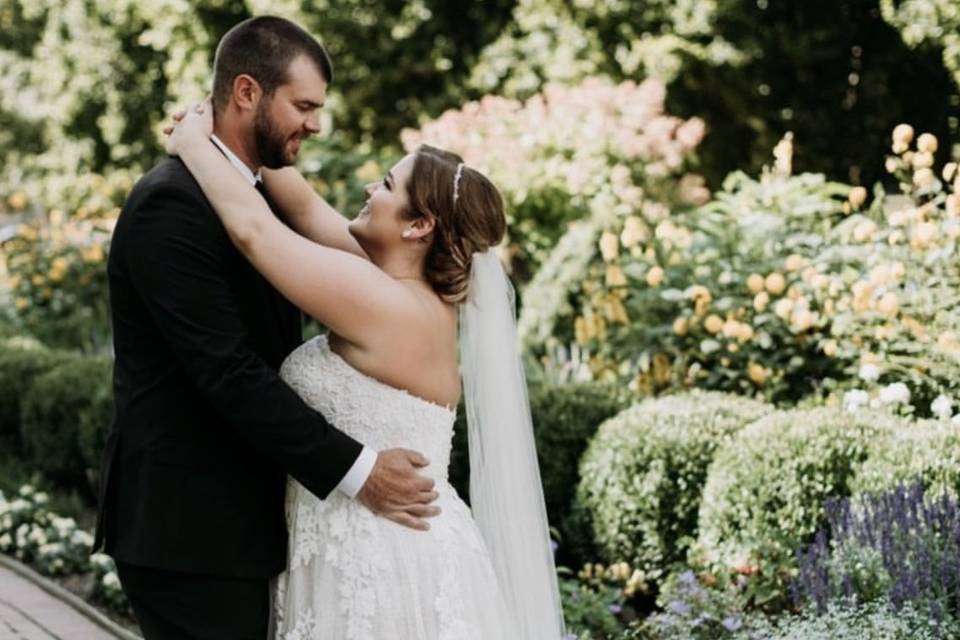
(472, 224)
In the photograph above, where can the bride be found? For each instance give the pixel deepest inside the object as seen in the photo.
(394, 287)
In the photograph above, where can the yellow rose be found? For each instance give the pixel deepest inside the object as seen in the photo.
(775, 283)
(369, 171)
(888, 304)
(655, 276)
(755, 283)
(744, 332)
(858, 195)
(609, 246)
(923, 234)
(757, 373)
(953, 205)
(731, 329)
(37, 280)
(864, 231)
(783, 308)
(680, 326)
(927, 143)
(830, 348)
(93, 253)
(21, 303)
(615, 277)
(794, 262)
(820, 281)
(713, 323)
(923, 178)
(803, 319)
(760, 301)
(949, 171)
(903, 133)
(922, 160)
(633, 232)
(891, 165)
(17, 200)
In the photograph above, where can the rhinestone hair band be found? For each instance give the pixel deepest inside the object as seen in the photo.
(456, 182)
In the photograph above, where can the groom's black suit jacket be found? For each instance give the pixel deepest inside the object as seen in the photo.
(204, 431)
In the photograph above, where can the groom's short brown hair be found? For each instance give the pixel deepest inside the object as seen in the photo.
(263, 47)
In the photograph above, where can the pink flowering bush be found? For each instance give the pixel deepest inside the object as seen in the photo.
(595, 150)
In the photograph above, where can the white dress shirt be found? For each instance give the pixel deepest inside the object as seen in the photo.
(363, 465)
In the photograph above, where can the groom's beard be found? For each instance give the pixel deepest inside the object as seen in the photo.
(270, 142)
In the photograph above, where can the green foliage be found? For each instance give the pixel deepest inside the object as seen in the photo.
(927, 452)
(20, 364)
(564, 419)
(872, 621)
(766, 489)
(642, 476)
(65, 416)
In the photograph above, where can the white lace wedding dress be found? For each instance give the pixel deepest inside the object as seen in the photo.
(352, 575)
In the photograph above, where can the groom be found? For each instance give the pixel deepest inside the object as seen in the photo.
(205, 431)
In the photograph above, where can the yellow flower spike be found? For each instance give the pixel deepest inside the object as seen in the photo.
(609, 246)
(755, 283)
(775, 283)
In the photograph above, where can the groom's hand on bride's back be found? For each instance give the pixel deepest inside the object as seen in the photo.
(395, 490)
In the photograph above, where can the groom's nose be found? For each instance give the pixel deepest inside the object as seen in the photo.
(312, 124)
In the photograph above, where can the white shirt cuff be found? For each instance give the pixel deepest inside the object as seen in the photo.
(358, 474)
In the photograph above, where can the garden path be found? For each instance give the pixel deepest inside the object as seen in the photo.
(28, 612)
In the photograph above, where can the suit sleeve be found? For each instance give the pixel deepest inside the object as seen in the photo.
(177, 256)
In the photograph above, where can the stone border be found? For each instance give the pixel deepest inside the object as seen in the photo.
(68, 598)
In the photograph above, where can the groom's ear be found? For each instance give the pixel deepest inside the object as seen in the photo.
(246, 92)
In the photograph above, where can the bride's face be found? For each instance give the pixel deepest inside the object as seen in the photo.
(380, 223)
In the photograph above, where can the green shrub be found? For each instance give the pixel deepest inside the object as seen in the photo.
(928, 452)
(644, 471)
(564, 419)
(21, 361)
(766, 490)
(60, 405)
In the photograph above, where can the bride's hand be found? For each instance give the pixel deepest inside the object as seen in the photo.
(195, 123)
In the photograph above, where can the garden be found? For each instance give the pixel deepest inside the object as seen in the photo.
(734, 228)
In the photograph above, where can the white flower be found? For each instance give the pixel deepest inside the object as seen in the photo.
(111, 581)
(956, 419)
(869, 372)
(41, 498)
(895, 393)
(26, 490)
(6, 542)
(942, 407)
(854, 399)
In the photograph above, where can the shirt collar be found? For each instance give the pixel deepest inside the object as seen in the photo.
(252, 178)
